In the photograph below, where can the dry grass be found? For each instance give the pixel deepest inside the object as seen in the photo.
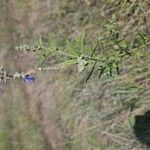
(60, 108)
(100, 114)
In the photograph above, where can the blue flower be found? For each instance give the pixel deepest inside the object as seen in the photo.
(28, 78)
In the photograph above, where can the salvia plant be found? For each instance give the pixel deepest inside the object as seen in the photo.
(101, 57)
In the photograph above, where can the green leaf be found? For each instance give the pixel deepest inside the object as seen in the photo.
(67, 63)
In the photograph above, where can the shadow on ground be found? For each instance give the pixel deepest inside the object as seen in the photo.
(142, 128)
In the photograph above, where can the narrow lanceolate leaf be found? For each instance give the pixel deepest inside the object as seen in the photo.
(67, 63)
(91, 72)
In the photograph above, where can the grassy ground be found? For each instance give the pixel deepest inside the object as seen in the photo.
(60, 110)
(101, 114)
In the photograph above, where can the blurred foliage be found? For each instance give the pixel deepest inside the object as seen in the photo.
(115, 40)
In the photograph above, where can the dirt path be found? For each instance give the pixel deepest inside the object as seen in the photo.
(22, 129)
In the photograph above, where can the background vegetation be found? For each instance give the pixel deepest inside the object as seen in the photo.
(61, 110)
